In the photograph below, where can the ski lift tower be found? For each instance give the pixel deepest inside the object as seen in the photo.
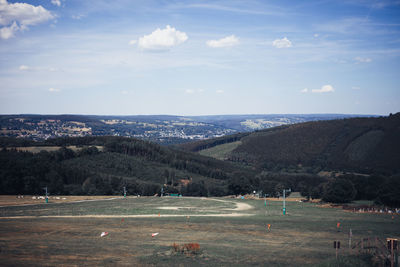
(284, 199)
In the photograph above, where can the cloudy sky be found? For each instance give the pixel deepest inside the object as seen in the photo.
(199, 57)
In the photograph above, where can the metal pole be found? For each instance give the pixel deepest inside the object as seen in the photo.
(47, 199)
(350, 236)
(284, 201)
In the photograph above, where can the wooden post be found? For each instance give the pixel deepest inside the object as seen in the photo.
(391, 247)
(392, 253)
(336, 252)
(336, 245)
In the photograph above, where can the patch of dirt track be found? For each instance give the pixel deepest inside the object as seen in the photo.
(239, 207)
(131, 216)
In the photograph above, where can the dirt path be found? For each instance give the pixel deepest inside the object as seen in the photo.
(239, 206)
(131, 216)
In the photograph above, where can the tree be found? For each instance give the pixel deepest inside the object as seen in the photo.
(339, 191)
(389, 193)
(31, 185)
(56, 185)
(196, 189)
(239, 185)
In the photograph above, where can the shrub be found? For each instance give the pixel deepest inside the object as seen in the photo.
(188, 248)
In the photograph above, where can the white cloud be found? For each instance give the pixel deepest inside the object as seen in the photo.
(124, 92)
(54, 90)
(282, 43)
(362, 60)
(18, 16)
(56, 2)
(37, 69)
(132, 42)
(77, 17)
(219, 91)
(355, 88)
(324, 89)
(305, 90)
(162, 39)
(316, 35)
(24, 67)
(223, 42)
(8, 32)
(193, 91)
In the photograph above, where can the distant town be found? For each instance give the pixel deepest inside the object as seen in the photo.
(162, 129)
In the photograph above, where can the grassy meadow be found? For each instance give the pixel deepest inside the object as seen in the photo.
(221, 151)
(230, 232)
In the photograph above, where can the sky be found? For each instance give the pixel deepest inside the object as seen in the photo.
(126, 57)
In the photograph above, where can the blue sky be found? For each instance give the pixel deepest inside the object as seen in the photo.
(199, 57)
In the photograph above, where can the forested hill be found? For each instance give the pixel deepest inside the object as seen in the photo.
(366, 145)
(104, 165)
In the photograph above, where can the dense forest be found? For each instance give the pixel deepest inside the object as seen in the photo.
(143, 167)
(361, 145)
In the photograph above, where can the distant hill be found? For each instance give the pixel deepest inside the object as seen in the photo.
(356, 144)
(162, 129)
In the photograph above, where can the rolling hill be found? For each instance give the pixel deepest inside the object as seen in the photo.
(104, 165)
(365, 145)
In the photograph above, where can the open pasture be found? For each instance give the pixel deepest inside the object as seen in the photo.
(228, 231)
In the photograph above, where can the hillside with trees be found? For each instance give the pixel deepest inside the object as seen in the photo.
(363, 145)
(143, 167)
(338, 161)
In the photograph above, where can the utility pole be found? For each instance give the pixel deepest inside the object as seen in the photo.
(284, 199)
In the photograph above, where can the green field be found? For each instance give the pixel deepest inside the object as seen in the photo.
(230, 232)
(221, 151)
